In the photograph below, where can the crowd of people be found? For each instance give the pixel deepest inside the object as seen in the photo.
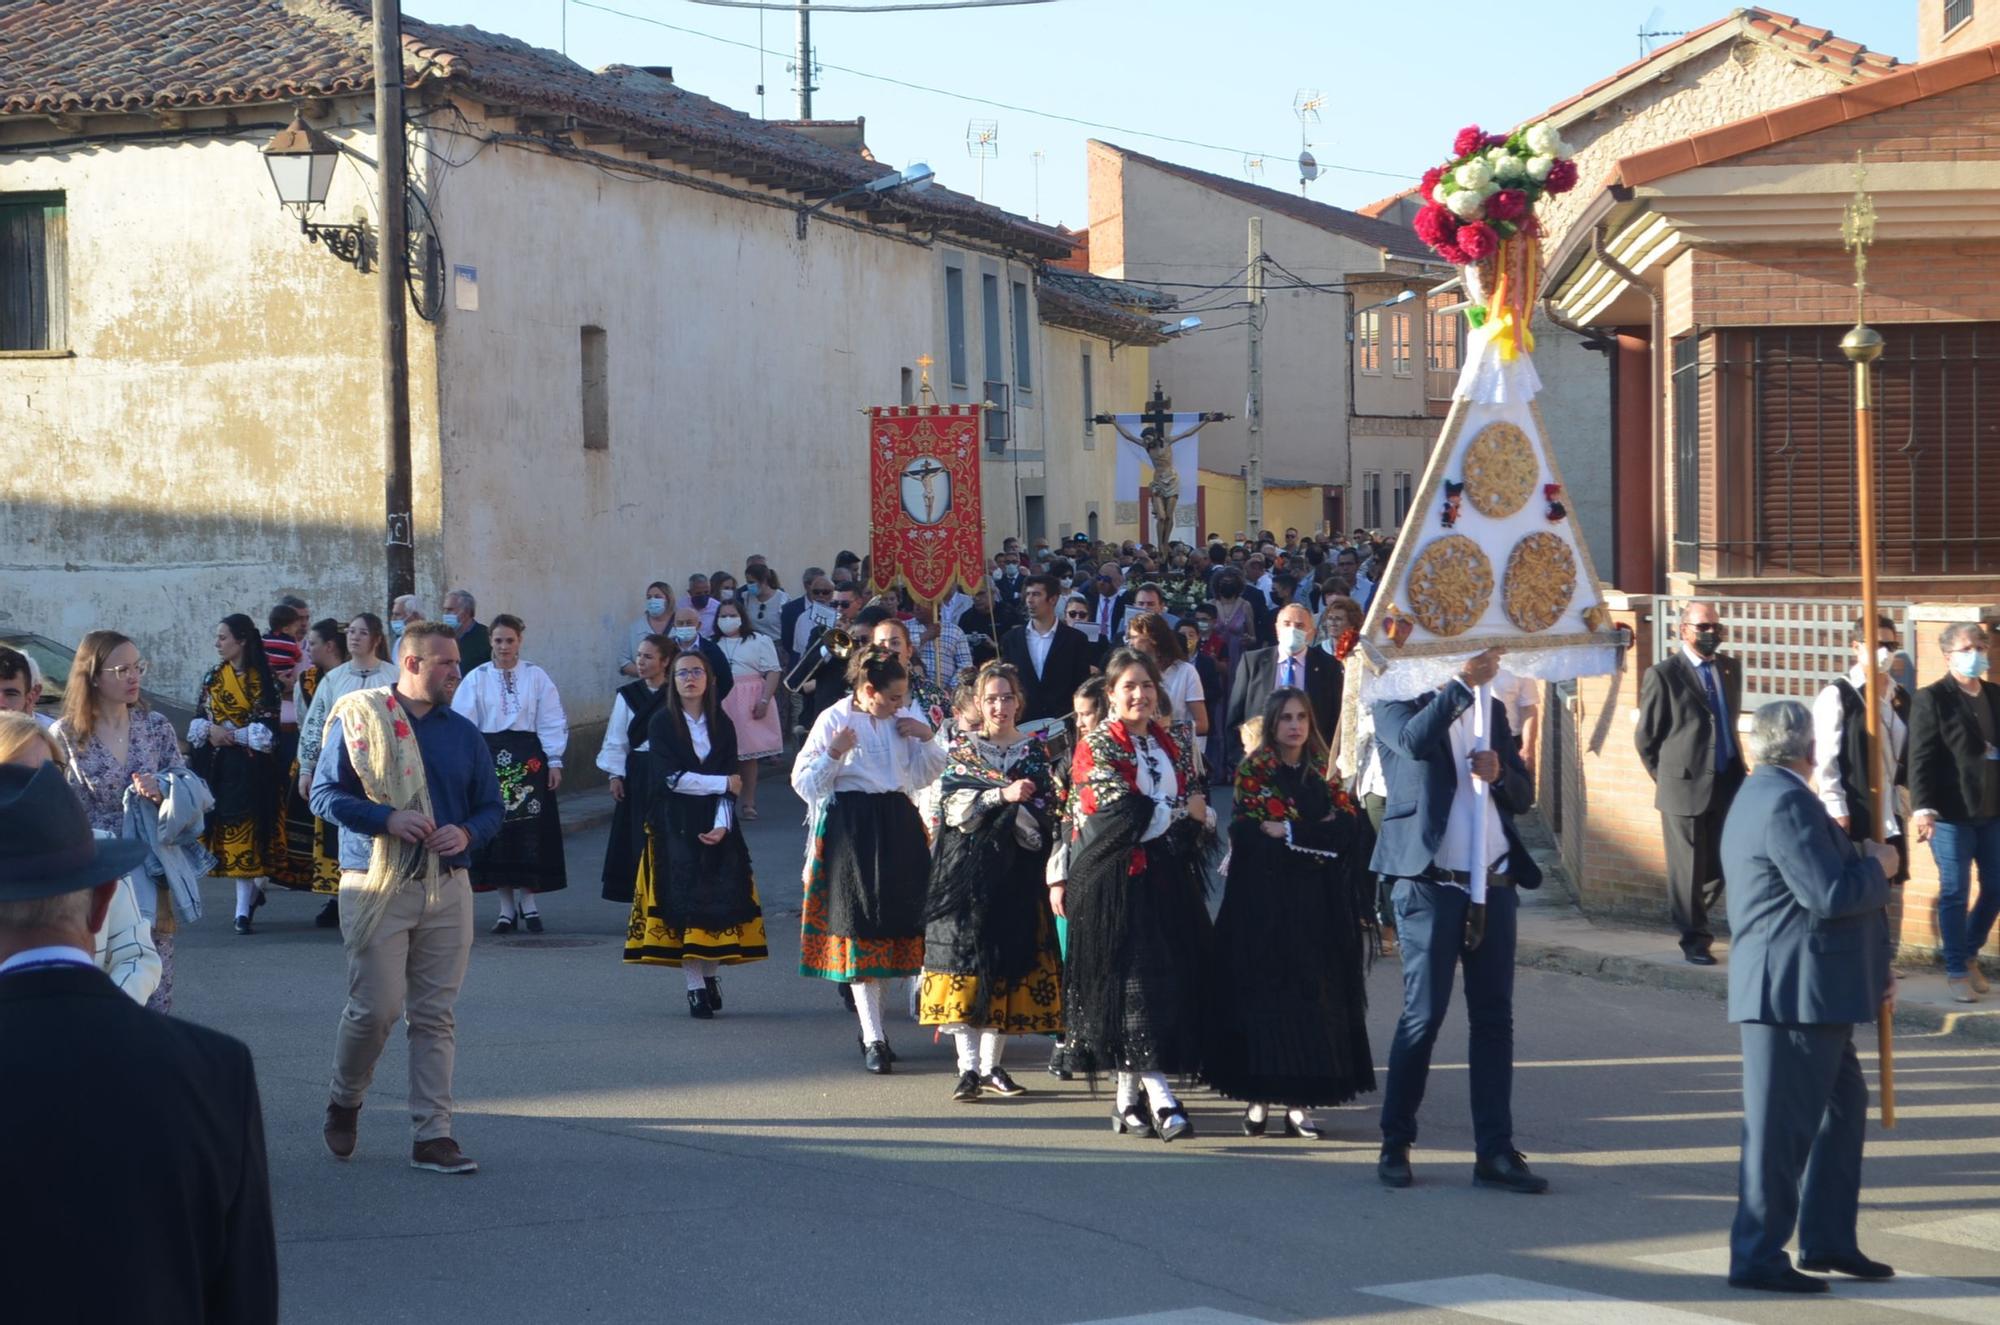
(1008, 818)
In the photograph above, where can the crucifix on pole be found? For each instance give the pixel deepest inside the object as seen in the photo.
(1156, 434)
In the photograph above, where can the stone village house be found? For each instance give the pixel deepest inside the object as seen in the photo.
(636, 369)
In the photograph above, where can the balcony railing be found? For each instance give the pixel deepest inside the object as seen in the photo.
(1790, 647)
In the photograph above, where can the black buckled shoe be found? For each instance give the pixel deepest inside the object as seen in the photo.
(1172, 1123)
(504, 925)
(1254, 1126)
(1300, 1124)
(533, 920)
(1131, 1118)
(1059, 1067)
(243, 925)
(1854, 1266)
(1509, 1172)
(1393, 1168)
(698, 1005)
(876, 1058)
(967, 1089)
(714, 992)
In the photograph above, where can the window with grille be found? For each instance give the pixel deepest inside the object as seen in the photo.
(1371, 498)
(34, 272)
(1024, 373)
(1399, 344)
(1368, 342)
(1405, 490)
(954, 316)
(1956, 12)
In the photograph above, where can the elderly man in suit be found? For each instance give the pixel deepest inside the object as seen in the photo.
(136, 1166)
(1293, 662)
(1687, 740)
(1809, 958)
(1430, 760)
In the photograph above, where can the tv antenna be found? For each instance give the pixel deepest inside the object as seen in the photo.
(982, 141)
(1651, 29)
(1253, 168)
(1038, 156)
(1306, 104)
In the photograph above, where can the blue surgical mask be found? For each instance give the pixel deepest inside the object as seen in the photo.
(1294, 640)
(1970, 663)
(682, 635)
(656, 607)
(396, 628)
(450, 619)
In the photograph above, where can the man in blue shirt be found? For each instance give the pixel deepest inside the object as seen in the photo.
(412, 959)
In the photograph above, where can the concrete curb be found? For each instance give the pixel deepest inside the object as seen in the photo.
(1567, 959)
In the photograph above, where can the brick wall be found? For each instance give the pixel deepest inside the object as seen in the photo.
(1754, 286)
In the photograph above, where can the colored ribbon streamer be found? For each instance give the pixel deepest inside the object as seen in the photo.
(1519, 265)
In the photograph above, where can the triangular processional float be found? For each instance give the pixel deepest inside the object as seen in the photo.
(1488, 556)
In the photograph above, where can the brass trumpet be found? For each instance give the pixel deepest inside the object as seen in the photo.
(833, 643)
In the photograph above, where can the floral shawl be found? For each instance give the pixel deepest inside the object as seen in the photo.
(1260, 795)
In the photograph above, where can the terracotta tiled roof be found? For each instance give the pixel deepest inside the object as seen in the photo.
(79, 57)
(1803, 42)
(1394, 240)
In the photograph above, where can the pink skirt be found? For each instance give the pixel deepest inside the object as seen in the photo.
(755, 737)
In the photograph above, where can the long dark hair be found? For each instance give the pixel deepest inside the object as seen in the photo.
(1267, 738)
(709, 704)
(376, 630)
(253, 663)
(1163, 638)
(332, 632)
(877, 667)
(1123, 660)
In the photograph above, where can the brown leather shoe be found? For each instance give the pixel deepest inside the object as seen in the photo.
(441, 1155)
(343, 1122)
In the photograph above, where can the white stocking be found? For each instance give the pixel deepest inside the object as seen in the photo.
(1158, 1094)
(868, 1008)
(528, 907)
(1128, 1090)
(990, 1045)
(246, 896)
(692, 971)
(508, 910)
(967, 1040)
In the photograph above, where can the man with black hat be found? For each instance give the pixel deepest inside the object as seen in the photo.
(116, 1115)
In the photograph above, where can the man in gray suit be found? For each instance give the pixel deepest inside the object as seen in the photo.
(1809, 958)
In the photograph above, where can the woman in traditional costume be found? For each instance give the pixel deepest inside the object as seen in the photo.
(311, 852)
(627, 757)
(867, 863)
(1089, 707)
(992, 966)
(516, 705)
(366, 668)
(234, 728)
(1139, 931)
(1185, 702)
(752, 704)
(695, 904)
(1289, 1010)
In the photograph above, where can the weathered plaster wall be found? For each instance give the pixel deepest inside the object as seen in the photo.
(212, 439)
(1081, 463)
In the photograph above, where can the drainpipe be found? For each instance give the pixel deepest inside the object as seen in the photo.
(1659, 408)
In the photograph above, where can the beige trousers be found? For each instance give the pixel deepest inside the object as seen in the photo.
(411, 969)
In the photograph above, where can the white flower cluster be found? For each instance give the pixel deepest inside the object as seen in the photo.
(1544, 140)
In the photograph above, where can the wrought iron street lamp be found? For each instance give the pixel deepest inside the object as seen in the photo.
(301, 161)
(916, 178)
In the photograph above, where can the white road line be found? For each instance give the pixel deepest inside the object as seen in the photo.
(1980, 1232)
(1918, 1294)
(1525, 1302)
(1190, 1316)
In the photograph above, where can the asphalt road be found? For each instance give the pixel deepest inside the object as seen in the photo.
(640, 1165)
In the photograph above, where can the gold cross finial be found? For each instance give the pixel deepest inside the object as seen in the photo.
(1857, 232)
(924, 362)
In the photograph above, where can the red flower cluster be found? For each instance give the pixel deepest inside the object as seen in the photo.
(1431, 178)
(1470, 139)
(1478, 240)
(1497, 214)
(1507, 205)
(1562, 177)
(1435, 225)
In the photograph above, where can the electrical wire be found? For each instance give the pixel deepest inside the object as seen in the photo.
(984, 101)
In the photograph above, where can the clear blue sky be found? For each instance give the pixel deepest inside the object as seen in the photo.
(1221, 72)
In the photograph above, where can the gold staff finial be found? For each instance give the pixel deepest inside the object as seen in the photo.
(1857, 232)
(924, 362)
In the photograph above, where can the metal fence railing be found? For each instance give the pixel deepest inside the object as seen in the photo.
(1790, 647)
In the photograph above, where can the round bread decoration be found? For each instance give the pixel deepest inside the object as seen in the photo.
(1541, 579)
(1500, 470)
(1450, 585)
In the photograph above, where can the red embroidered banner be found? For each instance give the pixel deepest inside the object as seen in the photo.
(926, 529)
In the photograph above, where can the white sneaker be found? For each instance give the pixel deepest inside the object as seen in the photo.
(1961, 989)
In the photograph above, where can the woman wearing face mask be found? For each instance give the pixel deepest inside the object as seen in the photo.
(627, 758)
(516, 705)
(367, 668)
(654, 619)
(1138, 924)
(752, 704)
(235, 725)
(867, 863)
(1288, 1016)
(696, 902)
(1235, 620)
(721, 589)
(312, 852)
(991, 964)
(1180, 683)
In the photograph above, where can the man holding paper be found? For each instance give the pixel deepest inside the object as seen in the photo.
(1455, 783)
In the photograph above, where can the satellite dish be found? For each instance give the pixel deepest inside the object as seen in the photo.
(1308, 168)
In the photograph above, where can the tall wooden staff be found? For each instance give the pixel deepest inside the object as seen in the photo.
(1862, 346)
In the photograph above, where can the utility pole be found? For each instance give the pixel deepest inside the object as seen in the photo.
(1253, 404)
(805, 61)
(393, 262)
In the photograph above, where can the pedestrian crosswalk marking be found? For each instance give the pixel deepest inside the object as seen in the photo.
(1981, 1232)
(1918, 1294)
(1525, 1302)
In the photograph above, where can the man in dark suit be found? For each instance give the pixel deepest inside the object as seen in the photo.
(1108, 604)
(1051, 655)
(136, 1170)
(1955, 794)
(1687, 740)
(813, 588)
(1809, 958)
(1293, 662)
(1431, 827)
(1008, 582)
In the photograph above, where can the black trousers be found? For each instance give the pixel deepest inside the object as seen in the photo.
(1694, 865)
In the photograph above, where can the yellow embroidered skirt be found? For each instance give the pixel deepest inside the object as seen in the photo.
(649, 942)
(1031, 1005)
(242, 849)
